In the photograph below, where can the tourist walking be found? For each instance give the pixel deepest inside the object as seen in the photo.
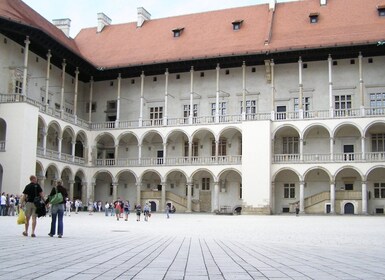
(118, 208)
(106, 208)
(146, 212)
(31, 191)
(126, 209)
(138, 210)
(57, 210)
(167, 211)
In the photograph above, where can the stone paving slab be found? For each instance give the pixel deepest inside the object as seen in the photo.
(197, 246)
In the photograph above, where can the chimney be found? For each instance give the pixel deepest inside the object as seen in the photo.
(323, 2)
(272, 4)
(63, 24)
(143, 15)
(103, 21)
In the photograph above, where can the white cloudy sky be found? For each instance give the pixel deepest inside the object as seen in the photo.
(83, 12)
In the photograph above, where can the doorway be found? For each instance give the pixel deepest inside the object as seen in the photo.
(159, 156)
(348, 152)
(152, 206)
(349, 208)
(281, 112)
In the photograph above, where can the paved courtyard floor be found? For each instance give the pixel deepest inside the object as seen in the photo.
(197, 246)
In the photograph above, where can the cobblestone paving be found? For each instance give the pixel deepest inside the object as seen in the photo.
(197, 246)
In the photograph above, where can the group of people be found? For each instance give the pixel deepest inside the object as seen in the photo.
(120, 208)
(34, 191)
(9, 204)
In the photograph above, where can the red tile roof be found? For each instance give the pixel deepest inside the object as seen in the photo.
(17, 11)
(210, 34)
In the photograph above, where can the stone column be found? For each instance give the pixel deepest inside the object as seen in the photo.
(92, 192)
(73, 150)
(85, 194)
(90, 106)
(115, 191)
(331, 148)
(189, 197)
(272, 64)
(216, 196)
(164, 153)
(363, 147)
(165, 116)
(190, 143)
(364, 194)
(138, 193)
(25, 70)
(62, 88)
(71, 192)
(163, 198)
(76, 94)
(47, 80)
(244, 90)
(44, 141)
(60, 139)
(217, 96)
(301, 149)
(361, 81)
(118, 102)
(116, 155)
(300, 97)
(139, 154)
(332, 198)
(331, 111)
(141, 99)
(302, 197)
(191, 112)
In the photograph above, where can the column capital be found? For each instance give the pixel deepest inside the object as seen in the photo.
(49, 55)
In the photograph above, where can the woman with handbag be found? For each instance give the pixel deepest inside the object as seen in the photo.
(57, 199)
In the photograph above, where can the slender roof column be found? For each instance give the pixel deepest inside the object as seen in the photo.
(141, 99)
(300, 97)
(25, 70)
(362, 97)
(244, 90)
(76, 93)
(165, 116)
(330, 86)
(272, 89)
(217, 96)
(90, 104)
(191, 112)
(47, 80)
(62, 87)
(118, 101)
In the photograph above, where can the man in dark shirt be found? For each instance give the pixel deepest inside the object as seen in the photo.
(31, 191)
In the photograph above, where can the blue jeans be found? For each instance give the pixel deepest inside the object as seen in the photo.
(57, 211)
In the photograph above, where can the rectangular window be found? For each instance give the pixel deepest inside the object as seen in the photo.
(251, 107)
(377, 102)
(290, 145)
(343, 105)
(305, 104)
(378, 143)
(18, 87)
(379, 190)
(289, 190)
(93, 107)
(111, 106)
(156, 115)
(222, 109)
(205, 184)
(186, 112)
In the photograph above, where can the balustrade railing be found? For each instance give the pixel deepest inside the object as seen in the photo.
(336, 157)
